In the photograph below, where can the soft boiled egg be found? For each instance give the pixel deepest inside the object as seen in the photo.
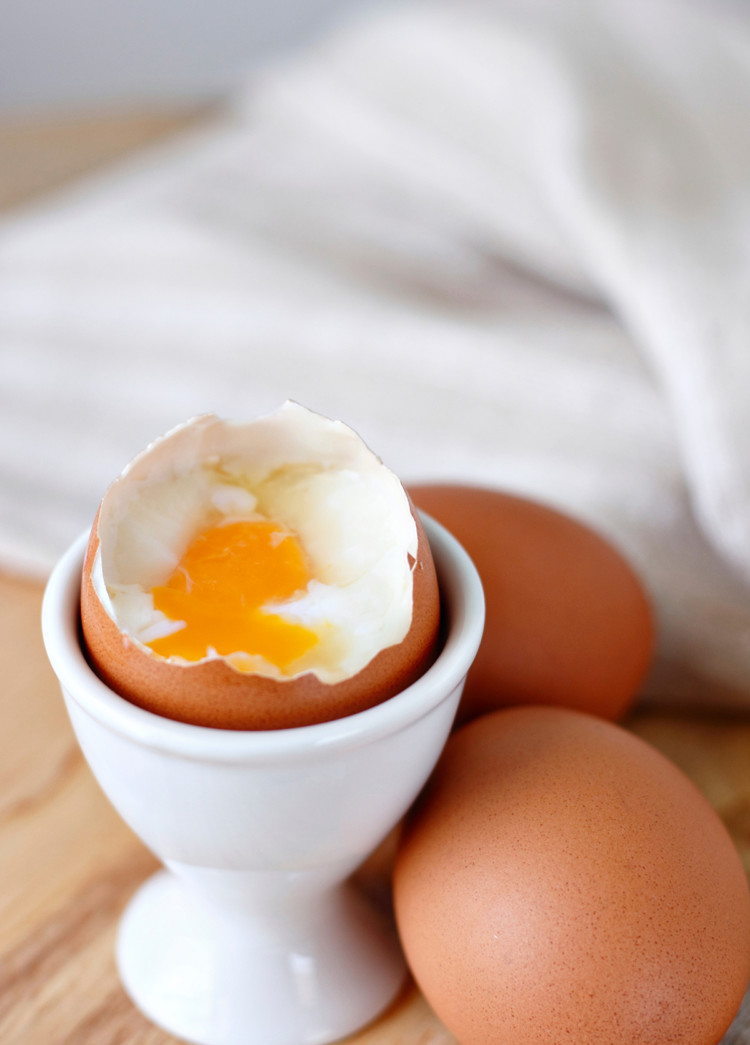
(258, 575)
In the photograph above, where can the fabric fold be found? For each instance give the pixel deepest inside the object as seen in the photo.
(507, 242)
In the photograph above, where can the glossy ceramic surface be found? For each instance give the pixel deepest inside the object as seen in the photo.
(254, 933)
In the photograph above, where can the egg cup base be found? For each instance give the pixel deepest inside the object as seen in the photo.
(215, 978)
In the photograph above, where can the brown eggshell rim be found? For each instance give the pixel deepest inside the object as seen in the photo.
(462, 599)
(211, 692)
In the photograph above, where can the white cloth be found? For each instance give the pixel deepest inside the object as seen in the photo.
(508, 242)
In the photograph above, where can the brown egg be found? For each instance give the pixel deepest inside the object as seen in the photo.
(325, 602)
(561, 881)
(568, 621)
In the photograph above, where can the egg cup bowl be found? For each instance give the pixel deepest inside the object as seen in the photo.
(254, 933)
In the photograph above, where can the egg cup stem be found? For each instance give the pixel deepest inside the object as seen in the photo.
(315, 968)
(254, 933)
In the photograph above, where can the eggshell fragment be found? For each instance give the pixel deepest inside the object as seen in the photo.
(212, 691)
(568, 620)
(561, 881)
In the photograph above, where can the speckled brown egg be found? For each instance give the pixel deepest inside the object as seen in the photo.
(259, 575)
(561, 881)
(568, 620)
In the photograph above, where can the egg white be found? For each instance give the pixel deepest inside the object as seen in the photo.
(313, 476)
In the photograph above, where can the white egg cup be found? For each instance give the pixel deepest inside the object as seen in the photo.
(255, 934)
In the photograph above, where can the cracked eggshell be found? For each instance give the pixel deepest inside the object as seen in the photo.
(211, 692)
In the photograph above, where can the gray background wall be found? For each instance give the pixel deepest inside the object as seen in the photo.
(88, 54)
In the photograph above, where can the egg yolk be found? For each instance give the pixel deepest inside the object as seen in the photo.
(219, 590)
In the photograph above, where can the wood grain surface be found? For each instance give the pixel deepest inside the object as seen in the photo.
(67, 862)
(43, 154)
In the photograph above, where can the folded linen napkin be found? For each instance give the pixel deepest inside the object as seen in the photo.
(508, 242)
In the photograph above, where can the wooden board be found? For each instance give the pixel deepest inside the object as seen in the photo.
(68, 864)
(40, 155)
